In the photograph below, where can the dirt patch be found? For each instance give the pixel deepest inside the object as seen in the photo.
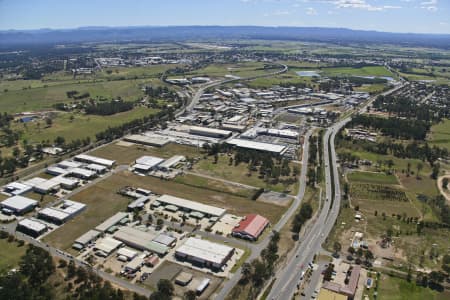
(445, 193)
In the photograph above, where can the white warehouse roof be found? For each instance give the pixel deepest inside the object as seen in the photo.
(205, 250)
(19, 202)
(150, 161)
(32, 225)
(191, 205)
(257, 145)
(95, 160)
(111, 221)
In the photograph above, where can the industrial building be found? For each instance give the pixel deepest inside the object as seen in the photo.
(86, 239)
(110, 222)
(147, 163)
(61, 214)
(16, 188)
(190, 206)
(171, 162)
(141, 240)
(138, 203)
(241, 143)
(203, 253)
(209, 132)
(89, 159)
(83, 173)
(18, 205)
(31, 227)
(157, 141)
(106, 246)
(251, 227)
(126, 254)
(165, 239)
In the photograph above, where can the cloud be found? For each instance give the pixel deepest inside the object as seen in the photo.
(355, 4)
(430, 5)
(311, 11)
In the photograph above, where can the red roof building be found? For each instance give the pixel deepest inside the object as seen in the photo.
(250, 227)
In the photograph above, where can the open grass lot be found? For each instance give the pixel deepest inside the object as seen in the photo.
(393, 288)
(102, 202)
(440, 134)
(240, 69)
(371, 88)
(234, 204)
(372, 177)
(82, 126)
(10, 255)
(214, 185)
(286, 78)
(44, 96)
(357, 71)
(238, 173)
(128, 154)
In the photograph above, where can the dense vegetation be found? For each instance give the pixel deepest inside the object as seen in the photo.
(108, 108)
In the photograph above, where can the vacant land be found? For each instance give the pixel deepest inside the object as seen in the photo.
(77, 126)
(393, 288)
(440, 134)
(372, 177)
(128, 154)
(240, 173)
(102, 202)
(10, 255)
(357, 71)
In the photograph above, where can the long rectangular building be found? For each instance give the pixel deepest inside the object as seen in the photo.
(111, 221)
(189, 206)
(95, 160)
(273, 148)
(209, 132)
(142, 240)
(204, 253)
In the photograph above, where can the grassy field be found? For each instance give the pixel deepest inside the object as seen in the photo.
(371, 88)
(44, 97)
(440, 134)
(356, 71)
(128, 154)
(372, 177)
(393, 288)
(240, 69)
(102, 202)
(80, 127)
(10, 255)
(237, 173)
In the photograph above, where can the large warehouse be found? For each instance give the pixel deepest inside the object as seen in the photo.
(157, 141)
(95, 160)
(209, 132)
(18, 205)
(273, 148)
(147, 163)
(191, 206)
(203, 253)
(251, 227)
(62, 213)
(31, 227)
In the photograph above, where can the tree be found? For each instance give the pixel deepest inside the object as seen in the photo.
(165, 287)
(351, 250)
(445, 183)
(419, 168)
(435, 171)
(49, 122)
(337, 247)
(408, 169)
(190, 295)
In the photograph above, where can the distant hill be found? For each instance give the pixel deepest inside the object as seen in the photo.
(180, 33)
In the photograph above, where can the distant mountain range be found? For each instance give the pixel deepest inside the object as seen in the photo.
(10, 38)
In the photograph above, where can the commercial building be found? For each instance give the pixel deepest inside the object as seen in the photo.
(190, 206)
(241, 143)
(61, 214)
(126, 254)
(111, 221)
(68, 164)
(183, 278)
(209, 132)
(203, 253)
(138, 203)
(134, 265)
(99, 169)
(165, 239)
(95, 160)
(147, 163)
(18, 205)
(83, 173)
(31, 227)
(350, 288)
(251, 227)
(86, 239)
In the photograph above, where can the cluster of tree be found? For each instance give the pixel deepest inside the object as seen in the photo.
(405, 108)
(259, 270)
(108, 108)
(5, 119)
(439, 204)
(360, 253)
(304, 214)
(164, 290)
(76, 95)
(315, 151)
(159, 118)
(394, 127)
(433, 280)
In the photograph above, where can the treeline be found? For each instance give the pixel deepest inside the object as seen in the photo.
(108, 108)
(261, 269)
(304, 214)
(394, 127)
(439, 205)
(414, 150)
(314, 159)
(76, 95)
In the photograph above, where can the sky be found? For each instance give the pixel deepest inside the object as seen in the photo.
(417, 16)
